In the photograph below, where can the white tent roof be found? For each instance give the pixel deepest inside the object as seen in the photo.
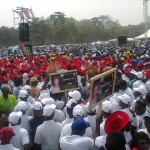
(142, 36)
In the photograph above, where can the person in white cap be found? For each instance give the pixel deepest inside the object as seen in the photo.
(47, 134)
(138, 81)
(76, 95)
(76, 141)
(124, 103)
(140, 91)
(37, 120)
(78, 111)
(106, 112)
(59, 116)
(22, 106)
(69, 108)
(28, 89)
(21, 138)
(91, 118)
(23, 96)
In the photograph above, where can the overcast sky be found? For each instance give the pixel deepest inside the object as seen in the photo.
(126, 11)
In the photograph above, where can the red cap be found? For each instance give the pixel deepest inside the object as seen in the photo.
(6, 133)
(127, 71)
(116, 121)
(147, 73)
(140, 64)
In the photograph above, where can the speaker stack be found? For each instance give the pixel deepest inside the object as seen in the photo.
(122, 40)
(24, 32)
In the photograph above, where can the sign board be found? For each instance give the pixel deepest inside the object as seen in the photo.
(64, 81)
(102, 87)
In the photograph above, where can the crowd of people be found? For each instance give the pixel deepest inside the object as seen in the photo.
(32, 117)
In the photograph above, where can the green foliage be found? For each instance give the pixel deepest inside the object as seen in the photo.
(59, 29)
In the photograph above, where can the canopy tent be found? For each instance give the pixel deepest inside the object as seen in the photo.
(142, 36)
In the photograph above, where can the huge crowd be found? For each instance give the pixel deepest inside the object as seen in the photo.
(34, 118)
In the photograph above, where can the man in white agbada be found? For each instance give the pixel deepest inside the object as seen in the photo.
(47, 134)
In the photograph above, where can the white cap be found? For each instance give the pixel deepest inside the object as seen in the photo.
(142, 89)
(59, 104)
(125, 98)
(133, 72)
(21, 106)
(44, 95)
(70, 102)
(107, 106)
(14, 117)
(23, 94)
(37, 105)
(25, 76)
(76, 95)
(48, 110)
(78, 111)
(47, 101)
(26, 88)
(139, 75)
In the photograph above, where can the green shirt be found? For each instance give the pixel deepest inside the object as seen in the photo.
(7, 105)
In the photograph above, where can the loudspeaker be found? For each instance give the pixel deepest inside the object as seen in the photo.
(122, 40)
(24, 32)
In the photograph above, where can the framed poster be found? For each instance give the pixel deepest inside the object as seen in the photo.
(102, 87)
(64, 81)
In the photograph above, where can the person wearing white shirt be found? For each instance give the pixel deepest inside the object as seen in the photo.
(47, 134)
(106, 112)
(76, 140)
(22, 106)
(140, 110)
(23, 96)
(147, 124)
(21, 138)
(84, 88)
(6, 135)
(124, 89)
(138, 81)
(117, 121)
(69, 108)
(78, 111)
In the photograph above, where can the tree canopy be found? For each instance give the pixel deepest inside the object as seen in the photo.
(59, 29)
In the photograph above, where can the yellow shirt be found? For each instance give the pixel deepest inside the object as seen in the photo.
(7, 105)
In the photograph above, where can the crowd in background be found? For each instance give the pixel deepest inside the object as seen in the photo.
(32, 117)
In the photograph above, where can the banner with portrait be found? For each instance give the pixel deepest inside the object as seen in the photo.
(102, 87)
(64, 81)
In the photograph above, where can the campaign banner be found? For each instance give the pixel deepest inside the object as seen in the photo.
(102, 87)
(64, 81)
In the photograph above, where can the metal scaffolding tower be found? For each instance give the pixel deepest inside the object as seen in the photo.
(146, 18)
